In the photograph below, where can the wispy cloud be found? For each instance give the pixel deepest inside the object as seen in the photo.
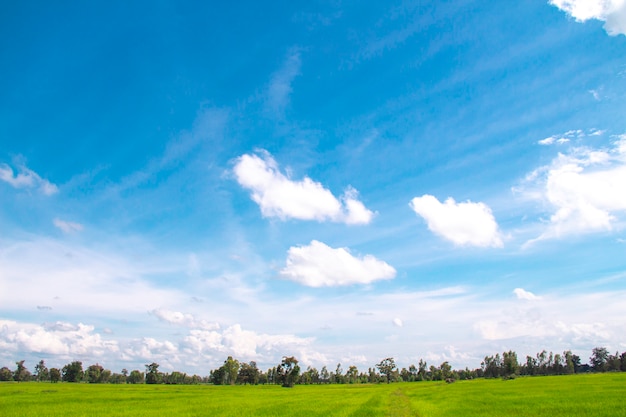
(183, 319)
(611, 12)
(68, 227)
(319, 265)
(464, 223)
(279, 196)
(279, 89)
(26, 178)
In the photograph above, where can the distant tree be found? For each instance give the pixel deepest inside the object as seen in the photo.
(491, 366)
(352, 375)
(94, 374)
(324, 375)
(21, 373)
(613, 362)
(386, 368)
(153, 376)
(510, 366)
(338, 375)
(422, 370)
(117, 378)
(622, 362)
(599, 358)
(41, 371)
(135, 377)
(55, 375)
(446, 371)
(6, 374)
(73, 372)
(288, 370)
(570, 366)
(248, 374)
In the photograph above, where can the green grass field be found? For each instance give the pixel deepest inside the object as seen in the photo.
(576, 395)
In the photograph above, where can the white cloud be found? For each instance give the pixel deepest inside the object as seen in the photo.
(182, 319)
(586, 189)
(279, 196)
(68, 227)
(611, 12)
(522, 294)
(60, 338)
(319, 265)
(397, 322)
(26, 178)
(461, 223)
(244, 344)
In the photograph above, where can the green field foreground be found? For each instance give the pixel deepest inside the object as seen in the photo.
(575, 395)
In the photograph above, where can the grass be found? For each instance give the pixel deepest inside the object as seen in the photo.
(576, 395)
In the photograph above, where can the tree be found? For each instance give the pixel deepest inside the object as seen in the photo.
(352, 375)
(422, 370)
(153, 376)
(73, 372)
(135, 377)
(386, 367)
(288, 371)
(6, 374)
(510, 366)
(21, 373)
(41, 371)
(599, 358)
(93, 373)
(55, 375)
(324, 375)
(248, 374)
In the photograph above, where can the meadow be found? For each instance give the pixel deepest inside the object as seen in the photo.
(573, 395)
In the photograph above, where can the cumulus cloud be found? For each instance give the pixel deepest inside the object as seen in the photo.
(182, 319)
(465, 223)
(68, 227)
(319, 265)
(243, 344)
(59, 338)
(522, 294)
(279, 196)
(26, 178)
(611, 12)
(586, 189)
(397, 322)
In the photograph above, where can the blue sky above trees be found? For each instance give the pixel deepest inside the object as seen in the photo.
(334, 181)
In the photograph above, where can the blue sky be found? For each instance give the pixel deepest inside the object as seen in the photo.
(337, 181)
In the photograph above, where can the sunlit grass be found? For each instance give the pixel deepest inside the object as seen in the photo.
(577, 395)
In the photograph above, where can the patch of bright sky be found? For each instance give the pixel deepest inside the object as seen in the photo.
(187, 182)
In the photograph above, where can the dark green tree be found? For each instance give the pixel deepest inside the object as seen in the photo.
(599, 358)
(248, 374)
(73, 372)
(93, 373)
(41, 371)
(386, 368)
(135, 377)
(21, 373)
(510, 366)
(153, 376)
(288, 371)
(6, 374)
(55, 375)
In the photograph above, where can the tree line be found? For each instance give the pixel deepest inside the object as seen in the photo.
(288, 373)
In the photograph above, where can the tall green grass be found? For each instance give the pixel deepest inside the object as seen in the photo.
(576, 395)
